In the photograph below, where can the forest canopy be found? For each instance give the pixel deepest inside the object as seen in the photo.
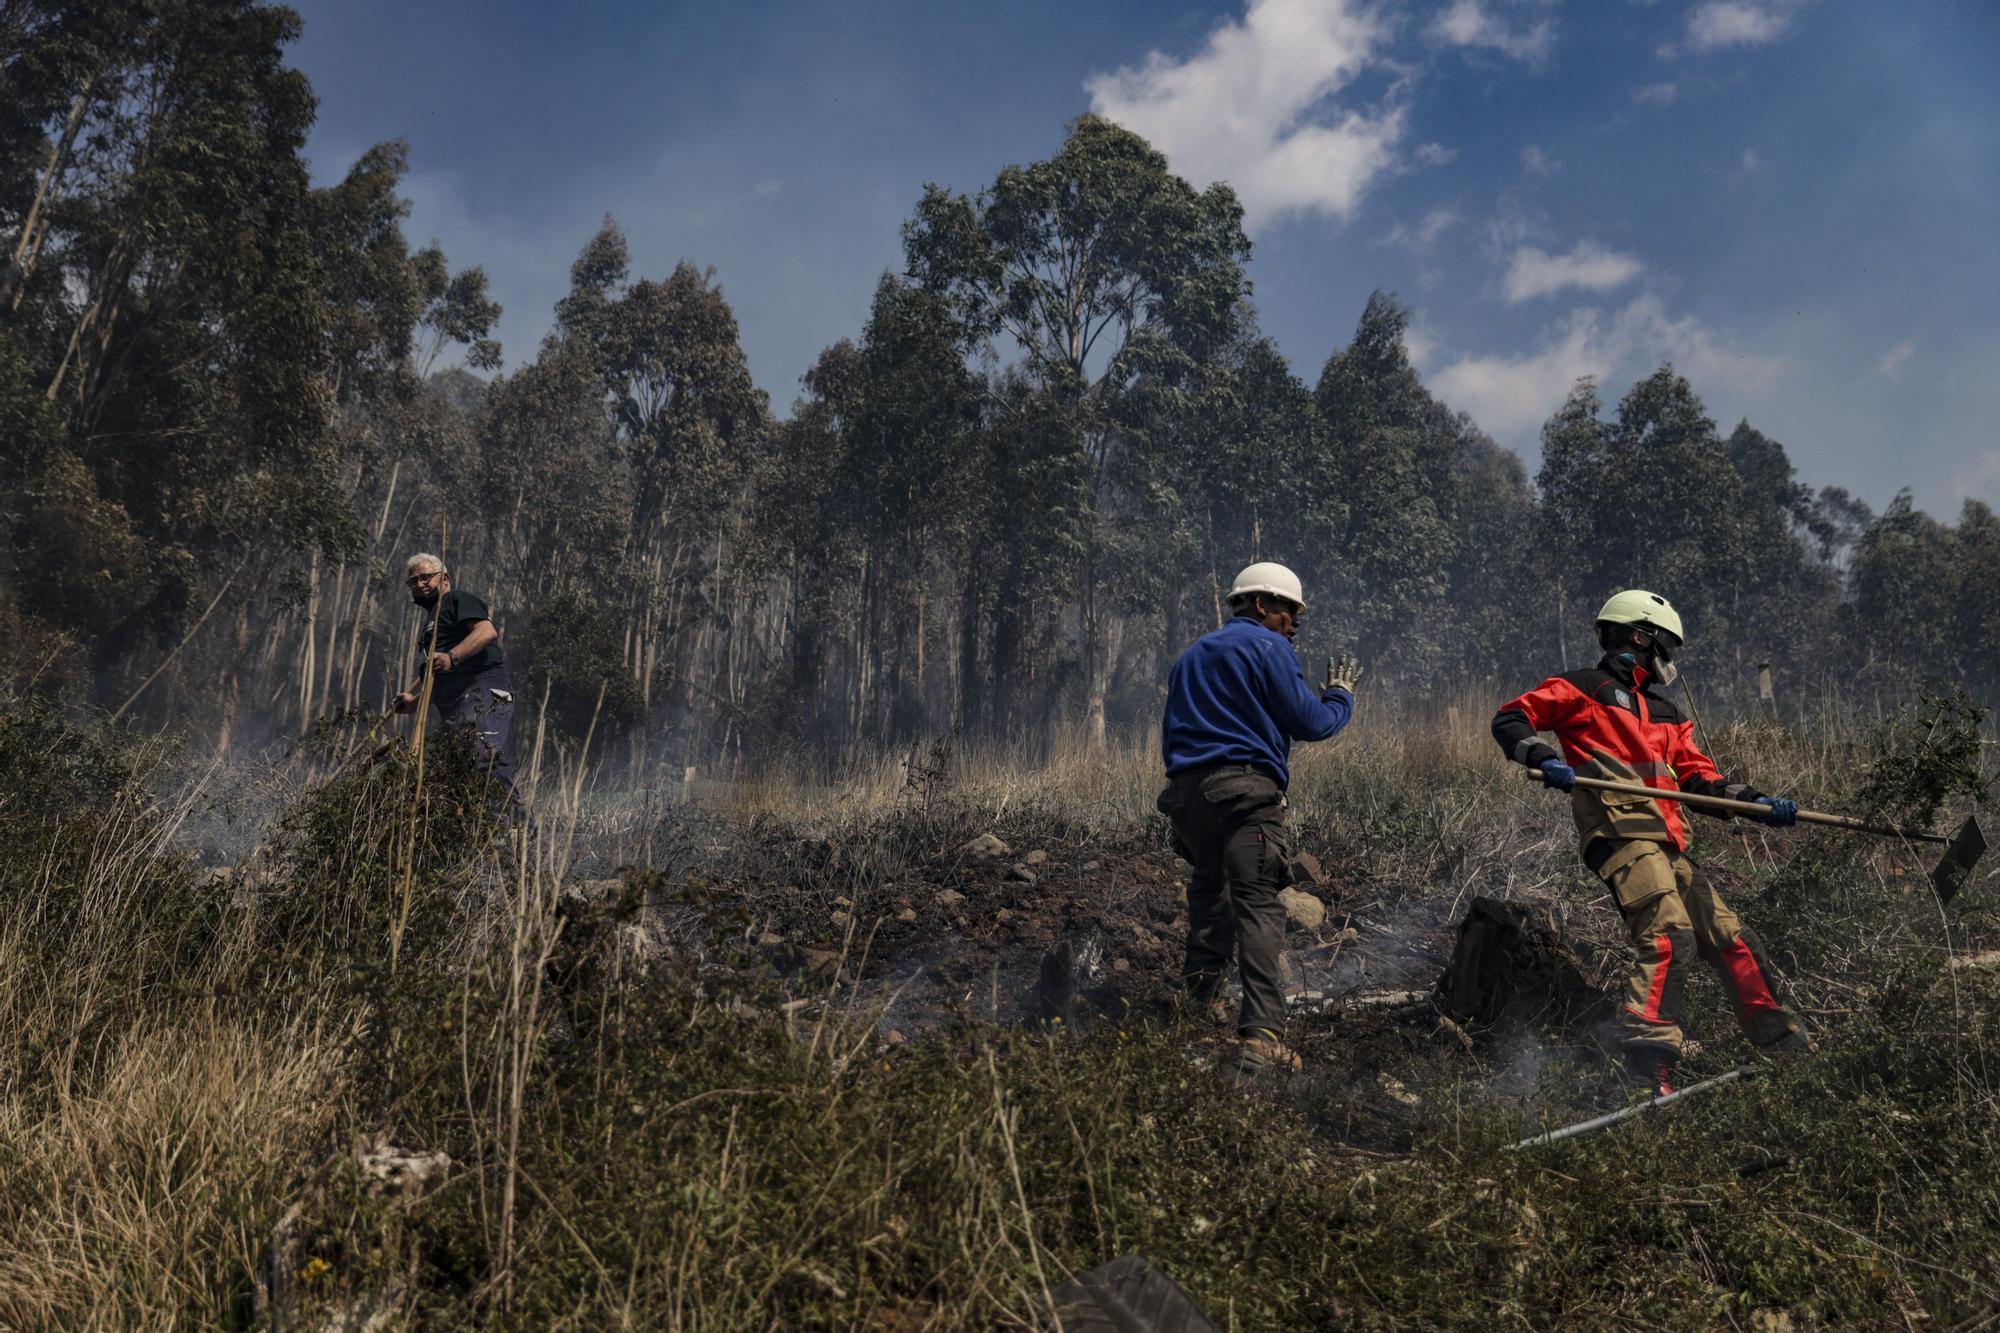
(230, 399)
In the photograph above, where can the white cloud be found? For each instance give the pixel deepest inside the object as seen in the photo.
(1978, 478)
(1890, 367)
(767, 187)
(1425, 234)
(1511, 396)
(1715, 24)
(1434, 154)
(1538, 161)
(1657, 94)
(1253, 107)
(1470, 23)
(1419, 344)
(1750, 161)
(1534, 272)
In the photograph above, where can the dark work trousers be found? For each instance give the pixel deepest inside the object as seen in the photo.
(1229, 824)
(486, 712)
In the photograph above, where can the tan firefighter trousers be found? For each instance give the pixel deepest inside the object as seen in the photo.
(1673, 914)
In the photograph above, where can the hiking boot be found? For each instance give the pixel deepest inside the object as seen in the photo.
(1795, 1042)
(1650, 1070)
(1213, 1009)
(1259, 1051)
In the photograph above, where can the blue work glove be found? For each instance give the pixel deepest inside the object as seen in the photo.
(1559, 775)
(1783, 813)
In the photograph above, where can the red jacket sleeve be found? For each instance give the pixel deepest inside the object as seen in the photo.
(1550, 706)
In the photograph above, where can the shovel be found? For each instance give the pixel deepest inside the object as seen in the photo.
(1962, 849)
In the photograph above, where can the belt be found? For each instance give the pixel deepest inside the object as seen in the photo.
(1225, 766)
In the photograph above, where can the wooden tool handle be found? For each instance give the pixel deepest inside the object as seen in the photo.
(1753, 808)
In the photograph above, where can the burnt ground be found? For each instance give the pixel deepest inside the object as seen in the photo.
(913, 927)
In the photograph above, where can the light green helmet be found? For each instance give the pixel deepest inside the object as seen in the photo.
(1636, 606)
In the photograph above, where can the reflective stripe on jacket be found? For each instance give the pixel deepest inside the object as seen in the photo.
(1613, 723)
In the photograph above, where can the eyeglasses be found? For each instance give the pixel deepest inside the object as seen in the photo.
(416, 580)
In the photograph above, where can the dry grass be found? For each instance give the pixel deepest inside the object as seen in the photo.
(694, 1142)
(133, 1197)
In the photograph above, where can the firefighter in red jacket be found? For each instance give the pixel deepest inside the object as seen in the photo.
(1613, 722)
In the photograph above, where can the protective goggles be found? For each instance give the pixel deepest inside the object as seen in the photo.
(1662, 643)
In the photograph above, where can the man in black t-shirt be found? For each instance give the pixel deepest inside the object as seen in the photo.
(469, 685)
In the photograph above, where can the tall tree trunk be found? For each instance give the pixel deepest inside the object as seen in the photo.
(99, 302)
(306, 658)
(28, 248)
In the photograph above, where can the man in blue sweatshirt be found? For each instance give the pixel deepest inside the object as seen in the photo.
(1235, 703)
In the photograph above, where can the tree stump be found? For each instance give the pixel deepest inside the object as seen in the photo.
(1511, 962)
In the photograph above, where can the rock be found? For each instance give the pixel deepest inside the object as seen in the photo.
(843, 902)
(907, 915)
(1120, 966)
(1020, 874)
(770, 939)
(986, 847)
(1302, 910)
(894, 1038)
(1003, 916)
(949, 899)
(1092, 867)
(840, 918)
(596, 892)
(1070, 974)
(400, 1171)
(1035, 858)
(1397, 1092)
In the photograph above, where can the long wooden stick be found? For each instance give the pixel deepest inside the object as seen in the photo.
(1753, 808)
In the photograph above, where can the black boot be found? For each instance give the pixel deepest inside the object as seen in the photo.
(1651, 1069)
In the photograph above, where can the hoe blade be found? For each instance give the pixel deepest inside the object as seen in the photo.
(1961, 854)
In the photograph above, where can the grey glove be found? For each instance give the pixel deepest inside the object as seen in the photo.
(1342, 673)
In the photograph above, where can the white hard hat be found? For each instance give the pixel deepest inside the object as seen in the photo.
(1636, 606)
(1265, 576)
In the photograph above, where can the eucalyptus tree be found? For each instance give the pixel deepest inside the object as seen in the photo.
(1973, 626)
(690, 421)
(869, 511)
(1906, 589)
(1422, 575)
(1649, 499)
(1070, 267)
(1223, 468)
(913, 464)
(165, 311)
(803, 538)
(1779, 603)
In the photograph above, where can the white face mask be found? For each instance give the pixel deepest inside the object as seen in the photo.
(1667, 672)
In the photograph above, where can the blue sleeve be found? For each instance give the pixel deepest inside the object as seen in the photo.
(1304, 715)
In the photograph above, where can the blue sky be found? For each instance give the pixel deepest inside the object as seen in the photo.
(1795, 201)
